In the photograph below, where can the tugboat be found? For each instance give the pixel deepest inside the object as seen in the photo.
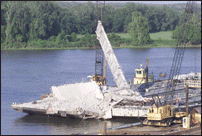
(142, 75)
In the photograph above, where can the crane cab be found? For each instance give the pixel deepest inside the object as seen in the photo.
(160, 116)
(163, 116)
(160, 113)
(100, 80)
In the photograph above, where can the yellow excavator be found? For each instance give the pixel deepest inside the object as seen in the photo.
(163, 116)
(160, 115)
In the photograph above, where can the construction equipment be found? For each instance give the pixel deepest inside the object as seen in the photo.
(163, 116)
(99, 57)
(178, 56)
(99, 77)
(163, 113)
(100, 80)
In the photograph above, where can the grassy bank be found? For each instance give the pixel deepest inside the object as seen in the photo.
(55, 48)
(122, 46)
(164, 35)
(160, 40)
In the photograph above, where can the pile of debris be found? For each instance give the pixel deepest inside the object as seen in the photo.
(83, 100)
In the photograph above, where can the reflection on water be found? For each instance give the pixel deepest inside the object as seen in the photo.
(60, 125)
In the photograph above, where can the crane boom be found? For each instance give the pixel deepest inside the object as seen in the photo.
(178, 56)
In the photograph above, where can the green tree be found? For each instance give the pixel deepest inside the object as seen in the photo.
(87, 40)
(3, 34)
(61, 38)
(108, 18)
(8, 8)
(73, 37)
(139, 29)
(188, 32)
(118, 19)
(115, 39)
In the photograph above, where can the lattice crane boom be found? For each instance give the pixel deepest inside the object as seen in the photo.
(178, 56)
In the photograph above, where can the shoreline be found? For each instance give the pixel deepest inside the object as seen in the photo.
(88, 48)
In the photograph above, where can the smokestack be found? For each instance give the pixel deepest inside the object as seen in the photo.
(147, 72)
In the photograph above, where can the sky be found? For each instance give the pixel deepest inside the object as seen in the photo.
(154, 2)
(145, 2)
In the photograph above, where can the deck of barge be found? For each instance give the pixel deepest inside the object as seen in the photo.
(128, 110)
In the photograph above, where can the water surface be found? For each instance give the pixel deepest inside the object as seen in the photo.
(25, 75)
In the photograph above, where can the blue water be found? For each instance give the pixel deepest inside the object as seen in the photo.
(25, 75)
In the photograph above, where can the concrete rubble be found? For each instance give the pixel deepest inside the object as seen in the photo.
(82, 99)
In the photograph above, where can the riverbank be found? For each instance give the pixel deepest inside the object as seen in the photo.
(160, 39)
(90, 48)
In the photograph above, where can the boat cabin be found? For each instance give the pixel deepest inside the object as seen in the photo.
(141, 75)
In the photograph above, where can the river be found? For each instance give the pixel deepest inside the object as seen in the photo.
(27, 74)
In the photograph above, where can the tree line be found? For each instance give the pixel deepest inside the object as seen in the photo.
(46, 24)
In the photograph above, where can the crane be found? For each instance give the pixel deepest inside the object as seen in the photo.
(163, 114)
(178, 56)
(99, 57)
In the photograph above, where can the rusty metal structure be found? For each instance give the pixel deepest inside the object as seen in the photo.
(178, 56)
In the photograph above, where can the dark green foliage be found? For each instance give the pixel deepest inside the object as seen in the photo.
(115, 40)
(45, 19)
(189, 32)
(52, 38)
(27, 24)
(73, 37)
(87, 41)
(162, 18)
(165, 42)
(118, 21)
(114, 37)
(139, 29)
(108, 19)
(126, 41)
(3, 34)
